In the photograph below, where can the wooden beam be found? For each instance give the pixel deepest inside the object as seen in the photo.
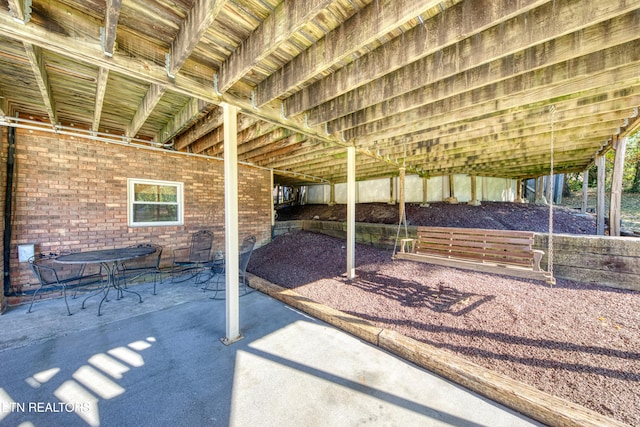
(20, 10)
(421, 142)
(447, 96)
(210, 122)
(36, 59)
(187, 115)
(461, 156)
(198, 20)
(210, 126)
(535, 163)
(149, 102)
(457, 22)
(112, 14)
(283, 147)
(524, 120)
(368, 25)
(520, 154)
(211, 144)
(279, 138)
(87, 51)
(289, 17)
(101, 88)
(497, 52)
(428, 139)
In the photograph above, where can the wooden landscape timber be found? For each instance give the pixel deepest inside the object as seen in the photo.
(527, 400)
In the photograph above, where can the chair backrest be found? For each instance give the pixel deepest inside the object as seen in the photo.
(148, 262)
(201, 244)
(48, 272)
(246, 248)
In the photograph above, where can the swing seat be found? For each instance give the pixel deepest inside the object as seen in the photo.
(491, 251)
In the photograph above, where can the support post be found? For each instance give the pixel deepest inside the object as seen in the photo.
(452, 199)
(539, 198)
(392, 193)
(401, 193)
(230, 116)
(585, 191)
(273, 205)
(332, 193)
(351, 212)
(600, 195)
(425, 186)
(549, 190)
(474, 199)
(616, 187)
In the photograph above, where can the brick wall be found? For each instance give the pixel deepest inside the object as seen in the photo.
(71, 194)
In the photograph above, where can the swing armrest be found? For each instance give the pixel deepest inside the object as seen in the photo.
(537, 257)
(407, 246)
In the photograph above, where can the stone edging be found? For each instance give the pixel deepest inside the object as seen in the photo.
(527, 400)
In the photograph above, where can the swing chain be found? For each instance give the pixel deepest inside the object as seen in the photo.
(552, 111)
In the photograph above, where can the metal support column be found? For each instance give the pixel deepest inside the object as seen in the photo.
(351, 212)
(230, 114)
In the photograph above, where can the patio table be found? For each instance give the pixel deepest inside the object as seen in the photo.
(109, 259)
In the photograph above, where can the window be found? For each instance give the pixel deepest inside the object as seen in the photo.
(155, 203)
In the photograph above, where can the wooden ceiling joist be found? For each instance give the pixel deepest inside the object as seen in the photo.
(151, 73)
(444, 29)
(503, 133)
(449, 98)
(101, 88)
(34, 53)
(506, 60)
(187, 115)
(147, 105)
(289, 17)
(370, 24)
(200, 17)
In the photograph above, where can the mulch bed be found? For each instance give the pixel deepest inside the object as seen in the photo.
(576, 341)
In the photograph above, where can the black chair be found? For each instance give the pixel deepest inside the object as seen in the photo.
(192, 259)
(217, 270)
(54, 276)
(139, 267)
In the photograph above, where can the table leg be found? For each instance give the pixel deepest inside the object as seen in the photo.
(104, 288)
(111, 282)
(120, 289)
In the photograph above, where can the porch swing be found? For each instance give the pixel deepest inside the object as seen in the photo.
(507, 252)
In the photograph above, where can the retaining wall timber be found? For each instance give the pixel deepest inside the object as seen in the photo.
(602, 260)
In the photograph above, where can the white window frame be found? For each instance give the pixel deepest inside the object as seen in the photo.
(131, 182)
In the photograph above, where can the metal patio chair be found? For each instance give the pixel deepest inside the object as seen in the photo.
(139, 267)
(53, 276)
(217, 270)
(189, 262)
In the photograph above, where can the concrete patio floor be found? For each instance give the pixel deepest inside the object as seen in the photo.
(162, 363)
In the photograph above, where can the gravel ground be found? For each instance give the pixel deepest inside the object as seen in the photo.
(576, 341)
